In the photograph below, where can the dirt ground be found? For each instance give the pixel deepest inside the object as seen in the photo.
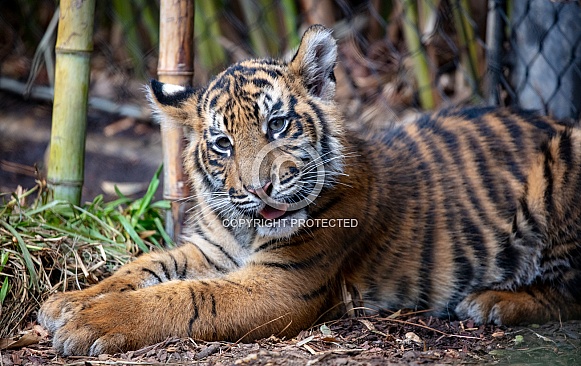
(409, 340)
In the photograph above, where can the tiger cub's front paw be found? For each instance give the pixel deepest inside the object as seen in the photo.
(108, 323)
(60, 308)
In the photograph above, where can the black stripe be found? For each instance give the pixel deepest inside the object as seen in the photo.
(321, 290)
(463, 271)
(498, 144)
(277, 105)
(266, 245)
(487, 179)
(236, 284)
(527, 213)
(513, 129)
(128, 287)
(214, 313)
(287, 180)
(175, 262)
(261, 83)
(474, 238)
(324, 138)
(566, 151)
(540, 123)
(299, 129)
(184, 270)
(309, 262)
(152, 273)
(164, 269)
(427, 255)
(195, 315)
(211, 263)
(548, 176)
(226, 254)
(507, 258)
(199, 167)
(215, 162)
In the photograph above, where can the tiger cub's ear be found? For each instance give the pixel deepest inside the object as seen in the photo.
(170, 101)
(315, 60)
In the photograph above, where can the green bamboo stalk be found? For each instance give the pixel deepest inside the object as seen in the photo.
(417, 52)
(467, 41)
(125, 13)
(69, 119)
(251, 11)
(290, 15)
(150, 20)
(206, 23)
(269, 27)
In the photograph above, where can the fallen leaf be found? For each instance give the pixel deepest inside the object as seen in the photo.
(305, 341)
(412, 337)
(325, 330)
(28, 338)
(367, 324)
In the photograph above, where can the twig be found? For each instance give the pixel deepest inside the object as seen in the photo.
(260, 326)
(428, 328)
(47, 93)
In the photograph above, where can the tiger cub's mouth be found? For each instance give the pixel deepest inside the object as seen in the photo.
(271, 213)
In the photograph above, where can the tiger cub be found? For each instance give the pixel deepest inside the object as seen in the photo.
(472, 213)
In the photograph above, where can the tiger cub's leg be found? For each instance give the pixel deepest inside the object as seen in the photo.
(184, 262)
(541, 260)
(536, 304)
(256, 301)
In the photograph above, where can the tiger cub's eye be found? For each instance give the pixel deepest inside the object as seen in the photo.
(223, 143)
(277, 124)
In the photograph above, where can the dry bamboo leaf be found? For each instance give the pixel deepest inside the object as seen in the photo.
(26, 339)
(395, 315)
(308, 348)
(367, 324)
(305, 341)
(412, 337)
(146, 234)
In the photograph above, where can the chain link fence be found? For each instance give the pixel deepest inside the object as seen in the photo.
(396, 57)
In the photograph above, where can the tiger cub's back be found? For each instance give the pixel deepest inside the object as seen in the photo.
(472, 199)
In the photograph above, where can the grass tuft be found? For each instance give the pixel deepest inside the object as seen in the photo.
(48, 246)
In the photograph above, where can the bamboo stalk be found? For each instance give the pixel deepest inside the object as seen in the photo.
(417, 53)
(124, 11)
(467, 40)
(211, 53)
(494, 39)
(270, 27)
(69, 119)
(289, 11)
(176, 66)
(251, 13)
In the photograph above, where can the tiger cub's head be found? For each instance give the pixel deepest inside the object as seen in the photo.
(265, 135)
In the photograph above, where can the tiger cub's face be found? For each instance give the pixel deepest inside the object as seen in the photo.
(265, 135)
